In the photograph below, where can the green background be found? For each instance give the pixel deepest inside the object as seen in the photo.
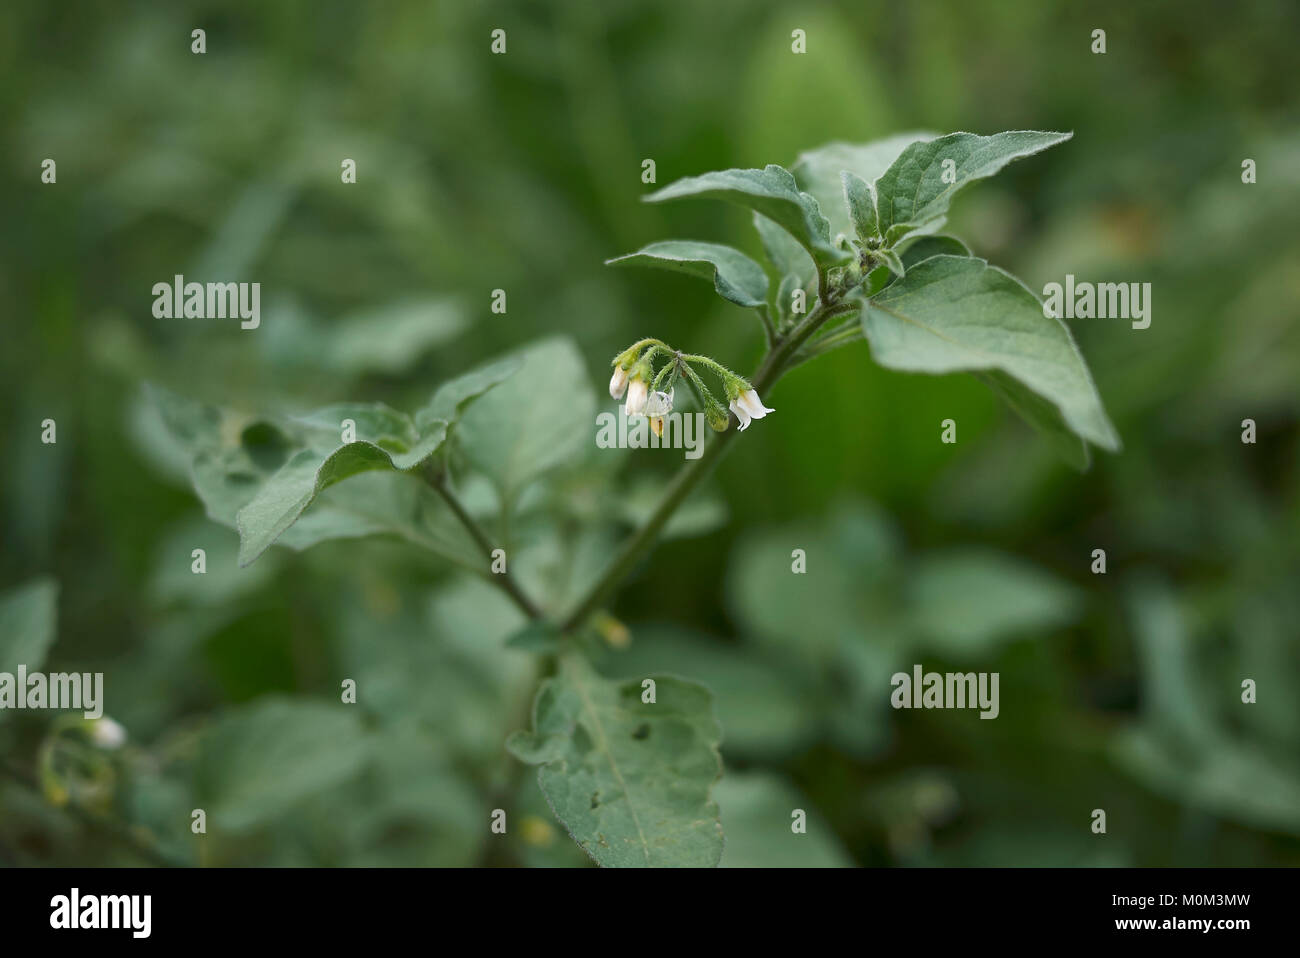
(523, 172)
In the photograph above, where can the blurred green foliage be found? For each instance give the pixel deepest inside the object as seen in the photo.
(522, 172)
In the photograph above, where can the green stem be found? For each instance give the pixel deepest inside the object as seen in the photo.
(694, 471)
(438, 482)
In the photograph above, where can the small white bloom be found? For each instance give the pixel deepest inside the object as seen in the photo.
(637, 393)
(753, 405)
(741, 413)
(107, 734)
(659, 404)
(618, 383)
(747, 406)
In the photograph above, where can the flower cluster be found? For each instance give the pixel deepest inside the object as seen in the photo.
(650, 392)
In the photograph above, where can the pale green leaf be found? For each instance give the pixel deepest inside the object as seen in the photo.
(953, 313)
(391, 338)
(913, 194)
(771, 191)
(783, 251)
(257, 762)
(735, 276)
(756, 814)
(763, 708)
(964, 601)
(860, 197)
(28, 614)
(234, 458)
(818, 171)
(629, 780)
(453, 396)
(540, 418)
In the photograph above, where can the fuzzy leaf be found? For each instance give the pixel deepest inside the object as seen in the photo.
(860, 197)
(953, 313)
(736, 277)
(629, 780)
(771, 191)
(914, 193)
(818, 171)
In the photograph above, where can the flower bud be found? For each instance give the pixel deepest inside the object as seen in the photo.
(618, 383)
(637, 393)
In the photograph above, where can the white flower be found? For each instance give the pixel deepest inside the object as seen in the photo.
(637, 392)
(748, 406)
(107, 734)
(659, 404)
(618, 383)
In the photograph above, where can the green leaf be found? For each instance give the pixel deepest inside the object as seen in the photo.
(537, 636)
(818, 171)
(542, 417)
(282, 500)
(453, 396)
(629, 780)
(756, 809)
(771, 191)
(860, 197)
(964, 601)
(923, 247)
(28, 614)
(914, 193)
(736, 277)
(390, 339)
(893, 262)
(783, 251)
(764, 710)
(257, 762)
(261, 477)
(953, 313)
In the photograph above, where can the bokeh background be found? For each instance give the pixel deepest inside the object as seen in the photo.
(522, 172)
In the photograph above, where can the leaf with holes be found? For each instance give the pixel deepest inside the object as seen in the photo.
(630, 780)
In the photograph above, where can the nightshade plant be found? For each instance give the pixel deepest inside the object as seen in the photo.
(854, 253)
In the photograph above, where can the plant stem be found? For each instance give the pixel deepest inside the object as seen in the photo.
(504, 580)
(693, 472)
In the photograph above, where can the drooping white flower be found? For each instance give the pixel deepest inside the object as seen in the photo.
(637, 393)
(107, 734)
(659, 404)
(740, 412)
(618, 383)
(753, 405)
(747, 406)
